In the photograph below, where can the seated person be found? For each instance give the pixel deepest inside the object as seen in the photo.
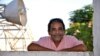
(57, 40)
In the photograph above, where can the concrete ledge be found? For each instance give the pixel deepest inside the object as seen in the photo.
(44, 53)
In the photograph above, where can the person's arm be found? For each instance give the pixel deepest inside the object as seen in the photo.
(79, 48)
(36, 47)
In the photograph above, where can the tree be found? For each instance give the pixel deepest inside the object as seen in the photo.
(82, 15)
(81, 25)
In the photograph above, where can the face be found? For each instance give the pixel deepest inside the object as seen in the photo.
(56, 31)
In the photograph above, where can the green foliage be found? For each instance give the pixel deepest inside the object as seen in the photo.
(82, 15)
(81, 26)
(82, 32)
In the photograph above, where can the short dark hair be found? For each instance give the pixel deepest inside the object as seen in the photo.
(55, 20)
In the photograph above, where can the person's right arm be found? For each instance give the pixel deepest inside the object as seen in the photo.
(36, 47)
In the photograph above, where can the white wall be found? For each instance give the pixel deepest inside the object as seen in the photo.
(46, 53)
(96, 27)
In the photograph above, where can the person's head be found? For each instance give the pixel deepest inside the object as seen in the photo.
(56, 29)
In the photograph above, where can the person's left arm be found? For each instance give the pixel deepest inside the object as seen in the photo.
(77, 48)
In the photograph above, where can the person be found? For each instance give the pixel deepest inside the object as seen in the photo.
(57, 40)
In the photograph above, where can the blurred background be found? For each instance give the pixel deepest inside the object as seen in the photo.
(17, 33)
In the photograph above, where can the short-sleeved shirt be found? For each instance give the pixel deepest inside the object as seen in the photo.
(67, 42)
